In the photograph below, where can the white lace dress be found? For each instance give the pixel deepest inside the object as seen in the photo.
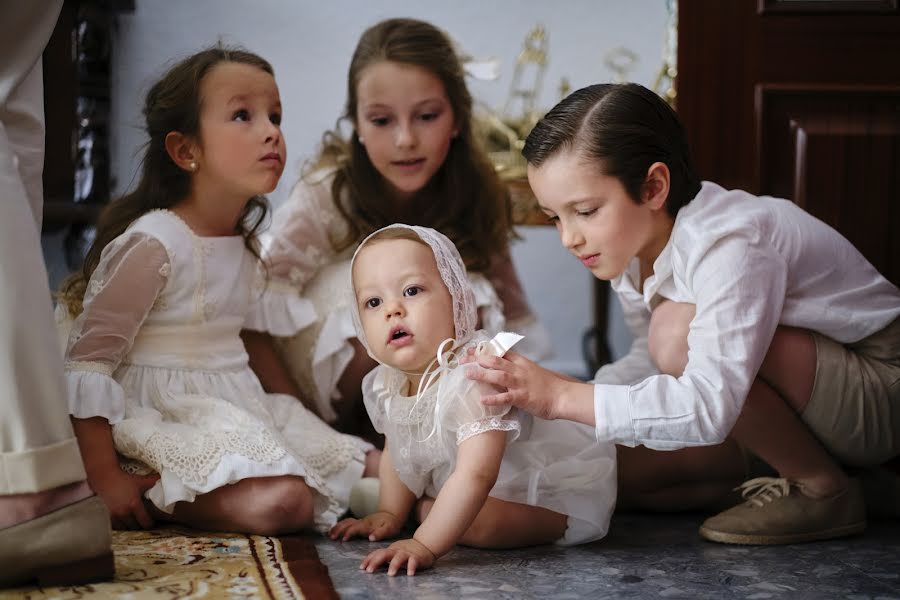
(557, 465)
(157, 352)
(303, 262)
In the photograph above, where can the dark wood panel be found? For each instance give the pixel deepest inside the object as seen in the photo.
(799, 100)
(835, 151)
(826, 6)
(848, 174)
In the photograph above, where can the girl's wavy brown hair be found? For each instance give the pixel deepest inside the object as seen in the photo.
(172, 104)
(465, 199)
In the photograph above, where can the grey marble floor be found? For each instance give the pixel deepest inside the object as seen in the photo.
(644, 556)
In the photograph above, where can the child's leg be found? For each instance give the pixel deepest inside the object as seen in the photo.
(769, 424)
(258, 506)
(702, 477)
(501, 524)
(813, 499)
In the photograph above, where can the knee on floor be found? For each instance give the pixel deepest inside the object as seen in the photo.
(284, 506)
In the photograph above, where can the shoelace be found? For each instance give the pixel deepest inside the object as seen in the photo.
(761, 490)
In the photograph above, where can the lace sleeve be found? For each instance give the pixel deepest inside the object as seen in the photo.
(467, 416)
(132, 272)
(459, 398)
(302, 231)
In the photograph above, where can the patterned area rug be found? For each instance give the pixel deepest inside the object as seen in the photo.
(181, 563)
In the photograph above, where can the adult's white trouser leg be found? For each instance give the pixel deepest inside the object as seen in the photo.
(38, 450)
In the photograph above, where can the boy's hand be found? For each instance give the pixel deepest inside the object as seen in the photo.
(123, 494)
(411, 553)
(376, 526)
(528, 386)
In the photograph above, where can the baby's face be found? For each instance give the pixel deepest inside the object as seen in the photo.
(405, 308)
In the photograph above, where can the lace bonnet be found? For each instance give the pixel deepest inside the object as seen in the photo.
(453, 272)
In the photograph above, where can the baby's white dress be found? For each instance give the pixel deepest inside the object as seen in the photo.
(157, 352)
(557, 465)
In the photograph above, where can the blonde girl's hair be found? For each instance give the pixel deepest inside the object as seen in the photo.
(172, 104)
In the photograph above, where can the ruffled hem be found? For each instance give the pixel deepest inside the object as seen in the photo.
(94, 394)
(331, 501)
(281, 311)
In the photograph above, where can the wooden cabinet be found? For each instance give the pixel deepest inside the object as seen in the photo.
(800, 99)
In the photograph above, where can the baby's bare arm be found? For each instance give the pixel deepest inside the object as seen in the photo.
(461, 498)
(395, 501)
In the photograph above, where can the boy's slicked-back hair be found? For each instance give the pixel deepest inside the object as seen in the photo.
(465, 198)
(173, 103)
(622, 129)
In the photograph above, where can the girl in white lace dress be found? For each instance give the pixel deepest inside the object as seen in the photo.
(485, 477)
(412, 157)
(156, 368)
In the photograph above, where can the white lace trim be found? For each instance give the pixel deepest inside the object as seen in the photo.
(90, 367)
(493, 424)
(193, 460)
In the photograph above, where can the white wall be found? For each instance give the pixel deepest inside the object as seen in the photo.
(310, 43)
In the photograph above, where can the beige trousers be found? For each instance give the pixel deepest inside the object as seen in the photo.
(38, 450)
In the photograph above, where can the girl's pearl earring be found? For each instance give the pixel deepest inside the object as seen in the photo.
(192, 166)
(362, 140)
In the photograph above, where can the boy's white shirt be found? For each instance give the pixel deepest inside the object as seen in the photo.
(748, 263)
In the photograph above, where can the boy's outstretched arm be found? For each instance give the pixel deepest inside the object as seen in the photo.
(395, 501)
(458, 503)
(533, 388)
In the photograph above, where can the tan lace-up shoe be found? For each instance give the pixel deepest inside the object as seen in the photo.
(67, 546)
(777, 511)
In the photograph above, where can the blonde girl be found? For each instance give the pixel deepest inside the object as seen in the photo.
(172, 423)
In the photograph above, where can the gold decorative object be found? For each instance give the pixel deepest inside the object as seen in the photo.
(664, 85)
(504, 132)
(564, 87)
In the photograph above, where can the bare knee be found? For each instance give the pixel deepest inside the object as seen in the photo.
(282, 505)
(790, 365)
(670, 323)
(483, 532)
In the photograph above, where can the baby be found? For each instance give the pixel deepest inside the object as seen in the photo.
(489, 477)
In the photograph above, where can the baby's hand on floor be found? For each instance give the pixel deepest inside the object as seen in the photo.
(376, 526)
(411, 553)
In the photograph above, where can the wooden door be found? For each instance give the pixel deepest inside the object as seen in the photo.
(800, 99)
